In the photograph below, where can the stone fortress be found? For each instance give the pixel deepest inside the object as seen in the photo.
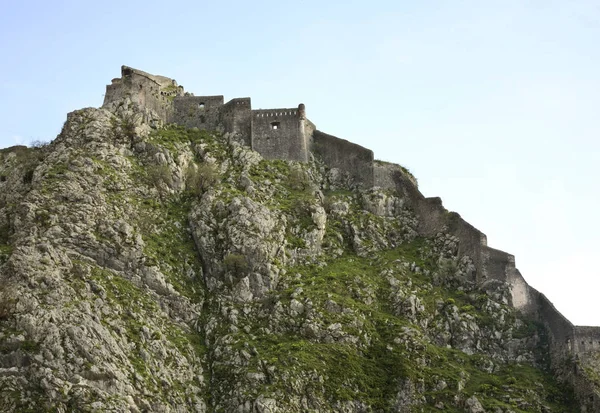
(287, 134)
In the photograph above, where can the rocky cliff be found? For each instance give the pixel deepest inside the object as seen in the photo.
(148, 268)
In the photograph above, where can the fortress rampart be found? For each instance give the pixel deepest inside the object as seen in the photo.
(287, 134)
(346, 156)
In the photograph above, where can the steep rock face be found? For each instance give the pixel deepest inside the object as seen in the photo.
(169, 269)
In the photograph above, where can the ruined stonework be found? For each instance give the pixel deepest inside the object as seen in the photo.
(284, 133)
(153, 92)
(287, 134)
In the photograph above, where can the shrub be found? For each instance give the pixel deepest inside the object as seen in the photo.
(38, 144)
(159, 175)
(199, 178)
(7, 300)
(28, 176)
(299, 180)
(236, 264)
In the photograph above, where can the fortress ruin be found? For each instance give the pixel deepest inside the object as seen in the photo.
(286, 133)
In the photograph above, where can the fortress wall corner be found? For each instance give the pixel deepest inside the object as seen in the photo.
(197, 111)
(277, 134)
(148, 91)
(500, 265)
(523, 296)
(236, 118)
(496, 264)
(349, 157)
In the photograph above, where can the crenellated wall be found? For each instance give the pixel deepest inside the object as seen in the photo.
(279, 134)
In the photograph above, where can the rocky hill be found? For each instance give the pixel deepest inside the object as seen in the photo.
(149, 268)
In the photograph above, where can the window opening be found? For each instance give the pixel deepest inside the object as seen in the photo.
(275, 125)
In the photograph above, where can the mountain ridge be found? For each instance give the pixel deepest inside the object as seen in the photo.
(152, 267)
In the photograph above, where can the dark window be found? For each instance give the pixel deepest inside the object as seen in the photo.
(275, 125)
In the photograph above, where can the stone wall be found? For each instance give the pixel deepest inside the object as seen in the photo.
(197, 111)
(586, 341)
(385, 174)
(348, 157)
(523, 296)
(236, 118)
(434, 218)
(146, 90)
(560, 331)
(277, 134)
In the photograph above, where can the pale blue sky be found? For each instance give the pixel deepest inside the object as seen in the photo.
(493, 105)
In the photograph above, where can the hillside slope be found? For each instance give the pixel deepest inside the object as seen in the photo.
(175, 270)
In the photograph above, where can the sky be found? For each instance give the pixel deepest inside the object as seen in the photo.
(493, 105)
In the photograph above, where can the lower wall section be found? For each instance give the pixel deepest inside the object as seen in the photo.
(348, 157)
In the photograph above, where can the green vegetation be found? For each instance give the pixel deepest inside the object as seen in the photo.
(236, 264)
(199, 178)
(173, 136)
(372, 369)
(5, 253)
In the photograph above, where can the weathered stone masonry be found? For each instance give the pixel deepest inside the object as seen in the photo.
(287, 134)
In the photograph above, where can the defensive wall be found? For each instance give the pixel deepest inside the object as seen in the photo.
(278, 134)
(567, 343)
(202, 112)
(349, 157)
(236, 118)
(287, 134)
(149, 91)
